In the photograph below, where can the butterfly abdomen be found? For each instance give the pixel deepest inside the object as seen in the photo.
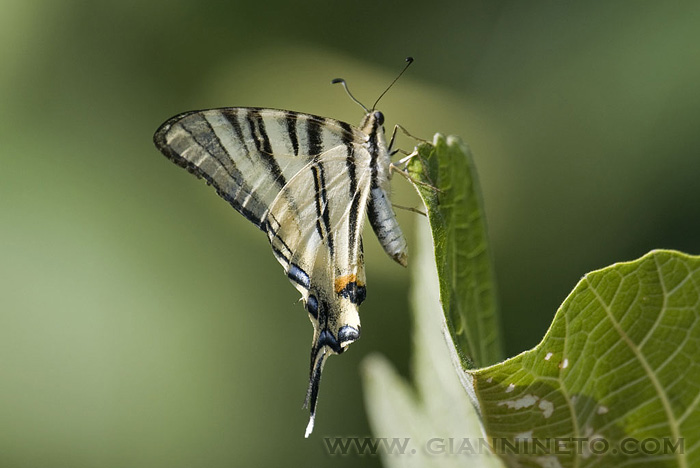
(379, 210)
(385, 225)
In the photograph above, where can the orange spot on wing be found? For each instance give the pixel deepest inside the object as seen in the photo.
(342, 281)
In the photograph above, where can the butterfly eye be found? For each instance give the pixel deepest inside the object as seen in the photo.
(379, 117)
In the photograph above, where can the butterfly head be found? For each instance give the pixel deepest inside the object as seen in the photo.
(372, 122)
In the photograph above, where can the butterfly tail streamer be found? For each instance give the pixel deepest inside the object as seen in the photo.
(318, 359)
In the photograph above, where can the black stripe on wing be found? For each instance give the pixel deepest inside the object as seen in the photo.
(201, 133)
(262, 144)
(323, 223)
(279, 246)
(354, 205)
(231, 116)
(291, 121)
(314, 131)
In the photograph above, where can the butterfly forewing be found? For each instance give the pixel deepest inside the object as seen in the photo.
(248, 154)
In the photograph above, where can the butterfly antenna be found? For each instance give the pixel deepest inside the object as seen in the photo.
(410, 61)
(345, 85)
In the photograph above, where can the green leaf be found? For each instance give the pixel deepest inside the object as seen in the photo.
(441, 422)
(621, 361)
(450, 190)
(615, 381)
(436, 409)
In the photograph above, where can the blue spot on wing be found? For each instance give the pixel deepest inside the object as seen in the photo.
(312, 306)
(299, 276)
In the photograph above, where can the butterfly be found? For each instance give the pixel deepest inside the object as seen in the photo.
(307, 182)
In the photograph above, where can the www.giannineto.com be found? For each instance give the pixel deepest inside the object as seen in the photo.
(558, 446)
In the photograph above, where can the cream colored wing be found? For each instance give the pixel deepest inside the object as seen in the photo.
(315, 226)
(304, 180)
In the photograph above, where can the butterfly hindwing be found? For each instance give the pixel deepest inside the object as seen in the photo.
(315, 227)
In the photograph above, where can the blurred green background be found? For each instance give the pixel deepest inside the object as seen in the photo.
(144, 323)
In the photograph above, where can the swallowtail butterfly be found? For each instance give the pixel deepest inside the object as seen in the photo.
(307, 182)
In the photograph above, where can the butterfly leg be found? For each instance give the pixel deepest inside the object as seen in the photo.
(404, 173)
(401, 168)
(407, 156)
(405, 132)
(402, 164)
(409, 208)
